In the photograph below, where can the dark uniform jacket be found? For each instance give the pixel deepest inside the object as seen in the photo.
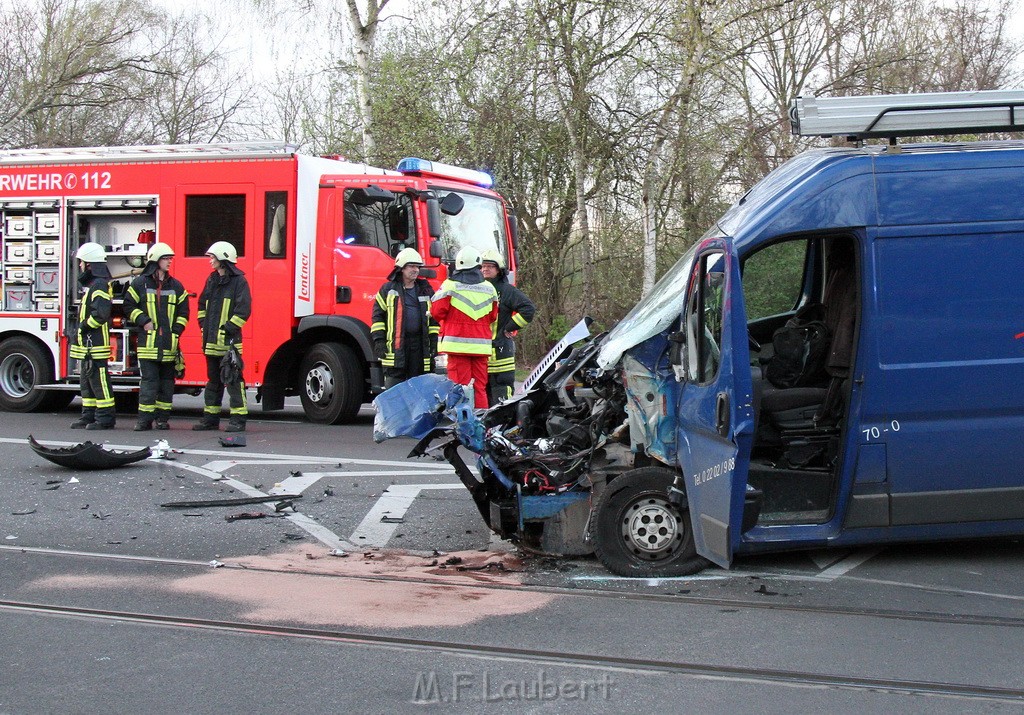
(92, 338)
(515, 311)
(165, 304)
(388, 317)
(224, 306)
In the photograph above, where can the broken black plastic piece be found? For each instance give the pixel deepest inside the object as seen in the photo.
(88, 455)
(231, 502)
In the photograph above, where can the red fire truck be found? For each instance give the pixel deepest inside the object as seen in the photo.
(315, 236)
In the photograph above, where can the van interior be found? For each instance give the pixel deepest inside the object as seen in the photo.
(802, 302)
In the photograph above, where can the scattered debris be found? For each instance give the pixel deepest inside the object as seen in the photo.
(392, 520)
(490, 566)
(73, 480)
(162, 450)
(10, 537)
(235, 440)
(54, 481)
(294, 536)
(23, 512)
(87, 455)
(295, 473)
(328, 491)
(764, 591)
(194, 513)
(238, 501)
(282, 505)
(52, 488)
(338, 552)
(215, 564)
(101, 516)
(245, 515)
(452, 560)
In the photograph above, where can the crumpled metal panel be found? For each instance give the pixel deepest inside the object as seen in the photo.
(416, 406)
(88, 455)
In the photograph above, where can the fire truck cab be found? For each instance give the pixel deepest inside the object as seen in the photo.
(316, 238)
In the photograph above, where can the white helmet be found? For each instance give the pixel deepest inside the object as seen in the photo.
(223, 251)
(158, 251)
(492, 256)
(467, 257)
(408, 256)
(91, 253)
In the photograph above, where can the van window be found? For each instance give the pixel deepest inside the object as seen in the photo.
(388, 226)
(704, 317)
(214, 217)
(773, 279)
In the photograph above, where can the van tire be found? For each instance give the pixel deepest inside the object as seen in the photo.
(331, 384)
(23, 365)
(622, 533)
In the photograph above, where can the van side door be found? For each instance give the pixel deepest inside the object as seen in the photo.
(715, 412)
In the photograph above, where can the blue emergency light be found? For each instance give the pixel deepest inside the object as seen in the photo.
(412, 165)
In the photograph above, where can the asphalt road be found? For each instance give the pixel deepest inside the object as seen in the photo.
(382, 591)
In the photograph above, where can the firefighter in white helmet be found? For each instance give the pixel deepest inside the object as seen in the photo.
(157, 303)
(91, 343)
(515, 311)
(224, 306)
(466, 306)
(404, 335)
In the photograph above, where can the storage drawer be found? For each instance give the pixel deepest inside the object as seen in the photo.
(47, 224)
(47, 251)
(19, 226)
(47, 305)
(18, 297)
(18, 274)
(45, 279)
(18, 252)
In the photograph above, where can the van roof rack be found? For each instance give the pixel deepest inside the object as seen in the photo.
(68, 155)
(902, 115)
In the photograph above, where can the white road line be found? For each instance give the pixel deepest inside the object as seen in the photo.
(393, 503)
(848, 564)
(256, 457)
(318, 532)
(299, 483)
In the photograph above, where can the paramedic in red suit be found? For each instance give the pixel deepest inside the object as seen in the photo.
(466, 306)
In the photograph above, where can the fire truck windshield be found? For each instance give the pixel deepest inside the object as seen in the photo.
(480, 224)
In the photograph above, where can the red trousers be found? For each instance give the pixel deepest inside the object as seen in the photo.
(462, 368)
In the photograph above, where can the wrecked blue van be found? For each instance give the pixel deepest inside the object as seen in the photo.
(838, 361)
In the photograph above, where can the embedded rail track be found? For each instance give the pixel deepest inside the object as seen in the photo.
(547, 657)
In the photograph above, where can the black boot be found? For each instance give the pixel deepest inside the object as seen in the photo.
(235, 424)
(99, 425)
(161, 423)
(144, 424)
(82, 422)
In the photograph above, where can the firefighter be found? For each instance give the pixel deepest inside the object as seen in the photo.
(92, 339)
(157, 303)
(224, 306)
(404, 334)
(466, 306)
(515, 311)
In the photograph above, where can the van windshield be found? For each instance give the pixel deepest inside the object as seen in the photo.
(652, 314)
(480, 224)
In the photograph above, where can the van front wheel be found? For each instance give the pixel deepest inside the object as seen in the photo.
(637, 532)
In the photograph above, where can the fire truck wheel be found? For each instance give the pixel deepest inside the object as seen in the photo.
(23, 365)
(638, 532)
(332, 383)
